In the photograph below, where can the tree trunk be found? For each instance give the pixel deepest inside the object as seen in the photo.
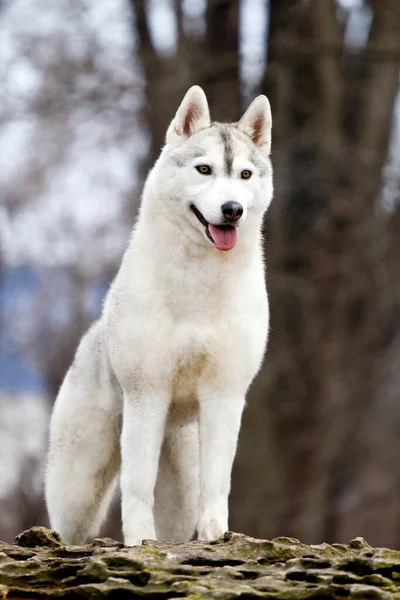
(331, 447)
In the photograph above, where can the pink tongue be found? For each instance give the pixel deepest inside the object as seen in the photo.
(225, 237)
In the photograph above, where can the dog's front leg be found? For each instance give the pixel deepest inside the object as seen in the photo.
(142, 435)
(220, 417)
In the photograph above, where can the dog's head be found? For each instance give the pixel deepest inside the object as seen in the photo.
(217, 176)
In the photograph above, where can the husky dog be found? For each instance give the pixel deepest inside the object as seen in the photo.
(157, 387)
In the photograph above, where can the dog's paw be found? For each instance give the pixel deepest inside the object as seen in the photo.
(140, 536)
(211, 529)
(139, 541)
(213, 520)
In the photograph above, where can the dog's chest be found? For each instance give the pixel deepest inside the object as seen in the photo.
(185, 377)
(192, 357)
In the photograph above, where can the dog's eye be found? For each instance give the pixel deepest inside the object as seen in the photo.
(246, 174)
(204, 169)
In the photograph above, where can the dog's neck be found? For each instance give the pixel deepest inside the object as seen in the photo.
(176, 243)
(185, 270)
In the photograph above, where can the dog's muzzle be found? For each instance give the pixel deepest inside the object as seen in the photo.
(202, 220)
(232, 211)
(225, 236)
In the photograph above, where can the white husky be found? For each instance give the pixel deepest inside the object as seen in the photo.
(158, 384)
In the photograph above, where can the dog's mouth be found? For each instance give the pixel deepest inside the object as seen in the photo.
(224, 237)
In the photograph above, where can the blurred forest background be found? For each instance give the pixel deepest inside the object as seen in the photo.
(88, 89)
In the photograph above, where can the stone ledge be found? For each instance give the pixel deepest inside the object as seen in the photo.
(40, 565)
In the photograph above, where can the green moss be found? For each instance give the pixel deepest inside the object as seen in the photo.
(234, 567)
(19, 553)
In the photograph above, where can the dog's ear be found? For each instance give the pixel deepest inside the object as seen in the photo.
(191, 116)
(256, 123)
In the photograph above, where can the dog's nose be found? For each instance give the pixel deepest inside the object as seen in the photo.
(232, 211)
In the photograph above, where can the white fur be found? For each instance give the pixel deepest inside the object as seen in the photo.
(158, 384)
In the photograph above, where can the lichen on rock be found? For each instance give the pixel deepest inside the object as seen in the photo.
(40, 565)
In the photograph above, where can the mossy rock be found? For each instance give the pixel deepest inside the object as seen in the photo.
(40, 565)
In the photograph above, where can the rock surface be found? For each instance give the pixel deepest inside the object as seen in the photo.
(40, 565)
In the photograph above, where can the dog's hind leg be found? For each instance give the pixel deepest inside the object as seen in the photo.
(84, 455)
(177, 488)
